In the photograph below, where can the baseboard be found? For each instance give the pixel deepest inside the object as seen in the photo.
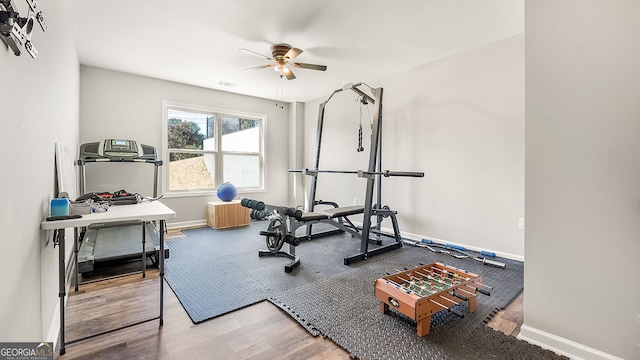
(54, 326)
(53, 333)
(416, 237)
(187, 224)
(562, 346)
(501, 254)
(406, 235)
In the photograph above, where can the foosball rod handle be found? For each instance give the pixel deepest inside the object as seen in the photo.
(480, 290)
(483, 291)
(463, 298)
(449, 300)
(449, 309)
(467, 292)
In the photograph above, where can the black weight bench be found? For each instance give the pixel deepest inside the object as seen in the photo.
(282, 229)
(333, 213)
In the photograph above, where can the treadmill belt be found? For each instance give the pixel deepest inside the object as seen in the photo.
(113, 242)
(118, 242)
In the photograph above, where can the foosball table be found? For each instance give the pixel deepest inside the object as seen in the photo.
(428, 289)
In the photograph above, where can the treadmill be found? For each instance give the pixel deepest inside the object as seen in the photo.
(122, 241)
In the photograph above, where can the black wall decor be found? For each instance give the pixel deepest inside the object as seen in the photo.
(15, 30)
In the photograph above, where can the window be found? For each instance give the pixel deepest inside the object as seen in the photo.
(206, 147)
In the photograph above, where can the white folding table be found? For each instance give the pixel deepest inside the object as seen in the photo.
(145, 212)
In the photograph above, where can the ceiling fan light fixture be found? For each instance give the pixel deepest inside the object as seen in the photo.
(282, 68)
(282, 54)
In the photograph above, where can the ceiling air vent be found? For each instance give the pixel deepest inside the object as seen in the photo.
(226, 83)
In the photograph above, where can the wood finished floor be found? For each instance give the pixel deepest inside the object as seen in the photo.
(259, 331)
(511, 318)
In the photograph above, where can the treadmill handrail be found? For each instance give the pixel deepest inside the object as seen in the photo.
(81, 162)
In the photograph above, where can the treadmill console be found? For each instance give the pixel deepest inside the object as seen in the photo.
(117, 149)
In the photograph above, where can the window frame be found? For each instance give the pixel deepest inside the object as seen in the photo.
(218, 153)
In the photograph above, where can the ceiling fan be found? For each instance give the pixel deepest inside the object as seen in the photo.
(281, 55)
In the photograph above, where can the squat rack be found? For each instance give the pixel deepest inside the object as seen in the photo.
(372, 174)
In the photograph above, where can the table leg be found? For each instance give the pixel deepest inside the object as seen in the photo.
(61, 285)
(383, 307)
(472, 304)
(161, 268)
(75, 255)
(144, 251)
(423, 326)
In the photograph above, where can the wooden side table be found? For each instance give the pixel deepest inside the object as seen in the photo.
(222, 215)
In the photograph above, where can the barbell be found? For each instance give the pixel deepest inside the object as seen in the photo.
(360, 173)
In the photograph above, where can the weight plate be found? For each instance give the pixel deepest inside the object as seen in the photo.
(275, 242)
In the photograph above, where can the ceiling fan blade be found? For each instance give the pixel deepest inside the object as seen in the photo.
(292, 53)
(259, 67)
(310, 66)
(255, 54)
(288, 73)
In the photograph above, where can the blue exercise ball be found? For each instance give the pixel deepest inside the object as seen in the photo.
(227, 192)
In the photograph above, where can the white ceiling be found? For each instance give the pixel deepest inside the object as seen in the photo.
(196, 41)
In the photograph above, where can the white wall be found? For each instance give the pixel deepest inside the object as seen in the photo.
(461, 121)
(583, 177)
(38, 107)
(119, 105)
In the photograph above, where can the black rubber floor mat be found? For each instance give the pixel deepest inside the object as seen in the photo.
(213, 272)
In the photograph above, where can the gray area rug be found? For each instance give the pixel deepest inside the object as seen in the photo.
(213, 272)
